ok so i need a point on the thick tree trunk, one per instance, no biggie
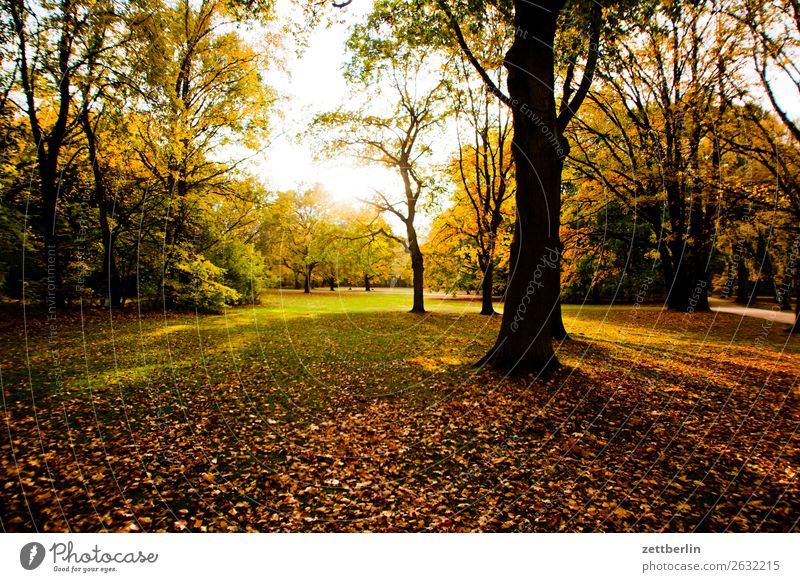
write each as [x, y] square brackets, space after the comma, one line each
[742, 283]
[307, 279]
[796, 327]
[688, 289]
[54, 297]
[557, 324]
[665, 263]
[782, 299]
[726, 288]
[332, 284]
[417, 270]
[524, 343]
[699, 299]
[487, 307]
[687, 293]
[110, 271]
[677, 287]
[366, 283]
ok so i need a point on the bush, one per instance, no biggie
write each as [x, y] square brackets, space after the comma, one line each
[195, 284]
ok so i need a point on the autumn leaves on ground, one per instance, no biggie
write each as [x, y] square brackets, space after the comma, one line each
[342, 412]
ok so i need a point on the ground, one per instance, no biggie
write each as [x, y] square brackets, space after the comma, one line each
[342, 412]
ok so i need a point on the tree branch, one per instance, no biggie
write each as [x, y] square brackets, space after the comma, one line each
[567, 113]
[490, 84]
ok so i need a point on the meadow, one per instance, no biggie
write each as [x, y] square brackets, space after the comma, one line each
[340, 411]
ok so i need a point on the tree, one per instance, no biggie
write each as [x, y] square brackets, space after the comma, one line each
[524, 342]
[775, 46]
[653, 138]
[365, 254]
[299, 226]
[454, 250]
[102, 88]
[483, 169]
[397, 139]
[532, 296]
[199, 90]
[53, 44]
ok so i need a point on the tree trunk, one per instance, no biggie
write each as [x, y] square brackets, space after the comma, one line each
[677, 287]
[366, 283]
[726, 288]
[524, 343]
[487, 307]
[699, 299]
[688, 289]
[557, 324]
[307, 279]
[796, 327]
[110, 273]
[782, 299]
[52, 256]
[332, 283]
[417, 270]
[742, 283]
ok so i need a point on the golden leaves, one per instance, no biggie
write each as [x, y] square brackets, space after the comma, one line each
[643, 431]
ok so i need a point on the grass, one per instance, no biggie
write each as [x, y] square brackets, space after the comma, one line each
[341, 411]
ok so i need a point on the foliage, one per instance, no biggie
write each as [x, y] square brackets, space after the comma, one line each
[135, 120]
[194, 283]
[330, 412]
[245, 270]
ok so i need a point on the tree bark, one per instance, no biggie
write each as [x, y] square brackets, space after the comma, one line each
[52, 255]
[487, 307]
[782, 299]
[524, 343]
[307, 279]
[418, 273]
[557, 323]
[796, 327]
[688, 288]
[366, 283]
[742, 283]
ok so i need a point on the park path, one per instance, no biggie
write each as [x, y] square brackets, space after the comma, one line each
[722, 306]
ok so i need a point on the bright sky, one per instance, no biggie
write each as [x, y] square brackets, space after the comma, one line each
[313, 84]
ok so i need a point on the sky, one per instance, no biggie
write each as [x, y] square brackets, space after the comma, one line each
[311, 84]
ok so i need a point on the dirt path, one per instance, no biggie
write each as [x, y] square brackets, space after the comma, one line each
[722, 306]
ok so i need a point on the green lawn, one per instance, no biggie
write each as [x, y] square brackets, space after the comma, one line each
[340, 411]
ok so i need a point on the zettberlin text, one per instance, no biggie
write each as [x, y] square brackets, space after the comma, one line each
[668, 549]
